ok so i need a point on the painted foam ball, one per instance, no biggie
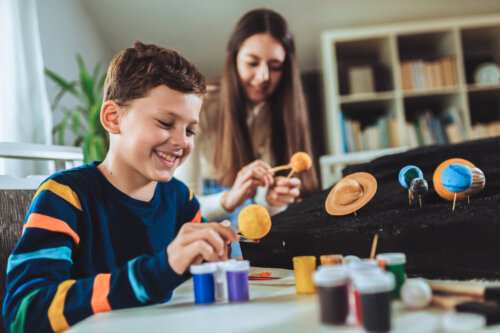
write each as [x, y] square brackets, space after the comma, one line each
[254, 221]
[436, 179]
[456, 178]
[300, 162]
[408, 173]
[419, 186]
[416, 293]
[478, 182]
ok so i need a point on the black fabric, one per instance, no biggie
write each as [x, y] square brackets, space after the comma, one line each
[438, 242]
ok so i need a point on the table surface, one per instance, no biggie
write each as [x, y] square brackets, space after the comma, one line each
[274, 306]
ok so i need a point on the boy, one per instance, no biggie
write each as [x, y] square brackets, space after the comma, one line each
[112, 235]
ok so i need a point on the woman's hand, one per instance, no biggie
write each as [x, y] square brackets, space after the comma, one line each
[247, 180]
[198, 241]
[284, 191]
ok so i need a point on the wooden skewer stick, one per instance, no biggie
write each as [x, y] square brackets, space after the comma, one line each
[420, 200]
[468, 199]
[374, 246]
[280, 167]
[290, 174]
[454, 199]
[409, 196]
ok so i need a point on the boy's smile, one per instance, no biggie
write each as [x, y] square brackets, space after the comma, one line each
[154, 135]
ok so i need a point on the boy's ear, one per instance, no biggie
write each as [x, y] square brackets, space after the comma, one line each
[110, 117]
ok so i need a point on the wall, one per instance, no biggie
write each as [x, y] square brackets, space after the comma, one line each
[66, 29]
[199, 29]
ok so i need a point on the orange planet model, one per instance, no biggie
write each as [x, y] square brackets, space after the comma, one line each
[300, 162]
[254, 222]
[436, 179]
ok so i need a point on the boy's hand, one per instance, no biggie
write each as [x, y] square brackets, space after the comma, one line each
[246, 182]
[283, 192]
[198, 241]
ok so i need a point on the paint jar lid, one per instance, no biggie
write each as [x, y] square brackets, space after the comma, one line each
[330, 276]
[206, 268]
[394, 258]
[363, 266]
[462, 322]
[350, 258]
[237, 266]
[374, 283]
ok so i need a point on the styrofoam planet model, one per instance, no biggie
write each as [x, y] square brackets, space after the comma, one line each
[419, 186]
[300, 162]
[436, 179]
[408, 173]
[478, 182]
[416, 293]
[254, 221]
[456, 178]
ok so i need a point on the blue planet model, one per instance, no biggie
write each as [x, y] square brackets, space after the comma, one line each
[408, 173]
[456, 178]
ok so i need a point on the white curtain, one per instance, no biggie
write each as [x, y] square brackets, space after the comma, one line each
[25, 114]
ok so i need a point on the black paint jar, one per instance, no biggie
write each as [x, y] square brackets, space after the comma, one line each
[331, 283]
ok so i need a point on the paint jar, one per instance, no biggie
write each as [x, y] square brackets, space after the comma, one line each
[203, 283]
[395, 263]
[237, 280]
[304, 267]
[220, 280]
[331, 282]
[375, 293]
[354, 269]
[331, 259]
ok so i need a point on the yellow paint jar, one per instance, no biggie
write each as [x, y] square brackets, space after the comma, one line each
[304, 267]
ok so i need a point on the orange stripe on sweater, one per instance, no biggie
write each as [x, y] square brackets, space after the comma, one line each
[100, 292]
[197, 217]
[41, 221]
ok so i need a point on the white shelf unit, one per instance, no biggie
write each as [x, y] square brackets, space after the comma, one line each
[420, 69]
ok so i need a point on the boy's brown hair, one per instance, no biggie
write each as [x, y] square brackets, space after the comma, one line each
[138, 69]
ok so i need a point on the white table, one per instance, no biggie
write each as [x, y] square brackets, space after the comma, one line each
[273, 307]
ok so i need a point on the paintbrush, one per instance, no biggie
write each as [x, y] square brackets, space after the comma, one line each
[481, 292]
[464, 304]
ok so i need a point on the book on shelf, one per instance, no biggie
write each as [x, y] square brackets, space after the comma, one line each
[429, 128]
[420, 75]
[369, 137]
[485, 130]
[361, 79]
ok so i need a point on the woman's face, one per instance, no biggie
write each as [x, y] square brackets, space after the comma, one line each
[260, 65]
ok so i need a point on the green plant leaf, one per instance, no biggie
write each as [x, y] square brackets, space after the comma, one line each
[75, 123]
[86, 81]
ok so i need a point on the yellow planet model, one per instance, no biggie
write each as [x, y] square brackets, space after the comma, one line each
[436, 179]
[254, 221]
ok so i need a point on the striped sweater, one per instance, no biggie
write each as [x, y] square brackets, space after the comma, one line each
[86, 248]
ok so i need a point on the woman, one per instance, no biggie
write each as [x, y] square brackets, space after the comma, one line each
[257, 119]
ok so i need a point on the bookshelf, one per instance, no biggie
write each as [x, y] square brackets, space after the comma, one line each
[409, 84]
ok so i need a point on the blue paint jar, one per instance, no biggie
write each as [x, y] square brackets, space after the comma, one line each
[237, 280]
[203, 283]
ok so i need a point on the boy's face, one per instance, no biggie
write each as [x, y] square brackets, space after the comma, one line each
[157, 132]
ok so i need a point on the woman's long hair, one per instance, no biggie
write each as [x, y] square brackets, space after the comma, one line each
[290, 131]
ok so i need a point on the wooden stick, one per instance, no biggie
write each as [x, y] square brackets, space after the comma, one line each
[468, 199]
[290, 174]
[374, 246]
[454, 199]
[409, 196]
[280, 167]
[420, 200]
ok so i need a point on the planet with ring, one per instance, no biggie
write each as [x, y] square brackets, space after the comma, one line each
[351, 193]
